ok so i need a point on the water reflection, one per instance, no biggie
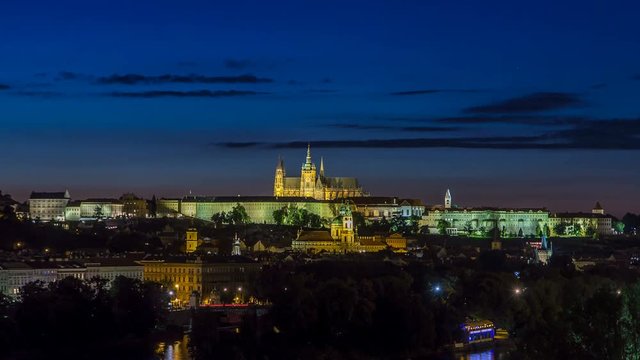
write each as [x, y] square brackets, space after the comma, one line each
[484, 355]
[176, 350]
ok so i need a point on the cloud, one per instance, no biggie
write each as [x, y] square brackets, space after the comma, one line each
[355, 126]
[69, 76]
[431, 91]
[135, 79]
[635, 77]
[39, 94]
[4, 87]
[513, 119]
[531, 103]
[184, 94]
[602, 134]
[238, 64]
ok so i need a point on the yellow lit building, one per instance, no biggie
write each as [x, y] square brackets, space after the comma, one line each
[314, 184]
[341, 238]
[185, 276]
[191, 240]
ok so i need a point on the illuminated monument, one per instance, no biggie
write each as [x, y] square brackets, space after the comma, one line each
[314, 184]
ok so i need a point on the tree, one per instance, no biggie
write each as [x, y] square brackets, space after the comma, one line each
[358, 220]
[619, 227]
[468, 228]
[238, 215]
[560, 229]
[153, 206]
[280, 215]
[98, 213]
[219, 219]
[443, 225]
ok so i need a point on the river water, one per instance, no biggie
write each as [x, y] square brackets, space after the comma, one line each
[178, 350]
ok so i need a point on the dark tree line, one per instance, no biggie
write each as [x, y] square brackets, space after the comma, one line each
[81, 319]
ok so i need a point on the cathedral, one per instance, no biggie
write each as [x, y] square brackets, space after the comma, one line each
[314, 184]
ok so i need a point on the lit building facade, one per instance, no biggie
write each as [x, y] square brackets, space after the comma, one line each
[48, 206]
[133, 206]
[206, 275]
[313, 183]
[342, 237]
[581, 224]
[92, 209]
[481, 221]
[15, 275]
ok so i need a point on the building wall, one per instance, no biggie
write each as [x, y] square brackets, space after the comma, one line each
[109, 209]
[510, 222]
[205, 278]
[47, 209]
[168, 207]
[261, 211]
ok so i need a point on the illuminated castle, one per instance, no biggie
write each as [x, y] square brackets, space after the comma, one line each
[313, 184]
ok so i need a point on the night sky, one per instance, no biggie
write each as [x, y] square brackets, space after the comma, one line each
[508, 103]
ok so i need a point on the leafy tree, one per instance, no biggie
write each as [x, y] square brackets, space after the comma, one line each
[153, 206]
[238, 215]
[443, 225]
[279, 215]
[468, 228]
[98, 212]
[619, 227]
[560, 229]
[219, 218]
[358, 220]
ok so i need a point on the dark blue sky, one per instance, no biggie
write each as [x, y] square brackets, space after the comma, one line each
[507, 103]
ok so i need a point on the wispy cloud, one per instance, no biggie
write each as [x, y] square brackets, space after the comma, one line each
[238, 64]
[135, 79]
[4, 87]
[39, 94]
[184, 94]
[431, 91]
[542, 120]
[531, 103]
[70, 76]
[356, 126]
[602, 134]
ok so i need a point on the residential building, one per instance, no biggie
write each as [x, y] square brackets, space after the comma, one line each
[207, 276]
[133, 206]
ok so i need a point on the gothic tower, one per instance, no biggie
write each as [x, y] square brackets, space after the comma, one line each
[447, 200]
[308, 176]
[278, 184]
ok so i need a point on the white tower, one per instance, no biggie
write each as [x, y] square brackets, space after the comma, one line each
[447, 200]
[236, 246]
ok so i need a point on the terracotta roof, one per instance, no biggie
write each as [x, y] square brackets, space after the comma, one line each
[315, 235]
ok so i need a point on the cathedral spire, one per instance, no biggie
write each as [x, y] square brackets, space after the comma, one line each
[308, 153]
[321, 166]
[280, 163]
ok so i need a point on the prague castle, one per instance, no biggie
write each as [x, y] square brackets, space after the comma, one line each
[314, 184]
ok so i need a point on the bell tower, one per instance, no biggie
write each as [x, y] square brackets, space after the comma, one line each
[447, 200]
[278, 184]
